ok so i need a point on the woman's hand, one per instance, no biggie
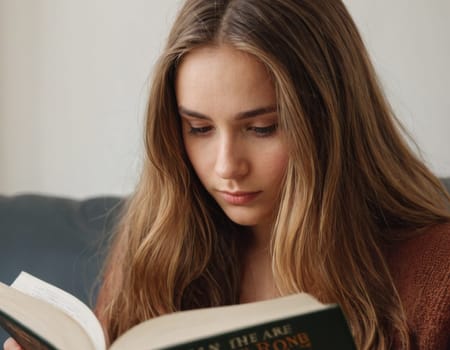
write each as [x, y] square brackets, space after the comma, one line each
[10, 344]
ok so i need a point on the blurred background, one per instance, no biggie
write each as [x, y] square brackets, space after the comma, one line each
[74, 80]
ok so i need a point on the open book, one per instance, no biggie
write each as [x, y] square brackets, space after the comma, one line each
[41, 316]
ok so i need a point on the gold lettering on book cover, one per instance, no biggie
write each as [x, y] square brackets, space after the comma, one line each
[296, 341]
[277, 332]
[275, 338]
[242, 341]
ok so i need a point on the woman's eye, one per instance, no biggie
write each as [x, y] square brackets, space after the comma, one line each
[264, 131]
[200, 130]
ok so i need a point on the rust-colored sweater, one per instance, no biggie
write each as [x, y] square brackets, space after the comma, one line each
[420, 267]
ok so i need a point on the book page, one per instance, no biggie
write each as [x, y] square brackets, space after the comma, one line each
[71, 305]
[41, 320]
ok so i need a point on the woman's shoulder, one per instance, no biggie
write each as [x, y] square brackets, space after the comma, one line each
[427, 250]
[420, 268]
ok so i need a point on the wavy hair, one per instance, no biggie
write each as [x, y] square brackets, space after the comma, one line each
[352, 182]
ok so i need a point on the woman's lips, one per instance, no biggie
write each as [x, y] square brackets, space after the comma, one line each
[238, 198]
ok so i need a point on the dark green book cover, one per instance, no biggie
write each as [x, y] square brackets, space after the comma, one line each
[321, 330]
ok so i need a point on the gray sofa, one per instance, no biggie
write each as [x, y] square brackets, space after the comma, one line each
[60, 240]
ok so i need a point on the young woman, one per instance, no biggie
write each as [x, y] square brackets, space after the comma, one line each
[275, 165]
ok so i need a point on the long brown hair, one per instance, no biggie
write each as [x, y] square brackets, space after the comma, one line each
[351, 185]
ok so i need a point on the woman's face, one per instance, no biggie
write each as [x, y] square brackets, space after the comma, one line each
[228, 111]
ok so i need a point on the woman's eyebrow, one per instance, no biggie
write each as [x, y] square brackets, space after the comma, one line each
[191, 113]
[241, 115]
[256, 112]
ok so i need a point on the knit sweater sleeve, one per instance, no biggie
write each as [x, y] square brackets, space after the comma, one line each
[420, 268]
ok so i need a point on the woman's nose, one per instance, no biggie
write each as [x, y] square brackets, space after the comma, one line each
[231, 159]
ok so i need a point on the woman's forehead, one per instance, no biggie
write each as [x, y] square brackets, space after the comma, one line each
[222, 77]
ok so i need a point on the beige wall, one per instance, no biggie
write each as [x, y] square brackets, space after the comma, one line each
[73, 82]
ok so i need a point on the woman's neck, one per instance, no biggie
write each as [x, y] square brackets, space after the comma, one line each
[257, 276]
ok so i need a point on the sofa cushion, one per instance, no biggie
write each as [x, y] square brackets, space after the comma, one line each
[57, 239]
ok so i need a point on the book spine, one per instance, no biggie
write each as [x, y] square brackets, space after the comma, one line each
[24, 336]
